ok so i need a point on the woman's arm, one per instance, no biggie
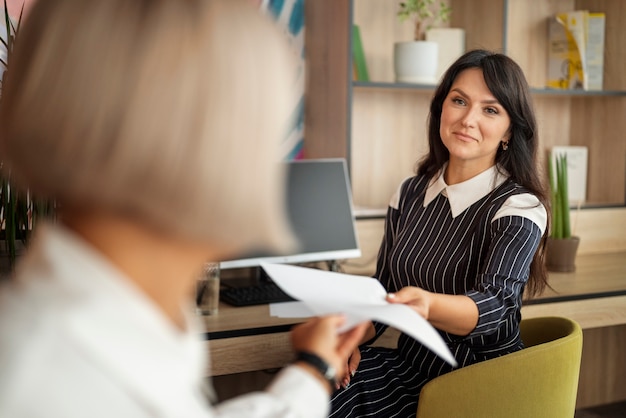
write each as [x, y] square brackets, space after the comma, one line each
[300, 390]
[498, 289]
[456, 314]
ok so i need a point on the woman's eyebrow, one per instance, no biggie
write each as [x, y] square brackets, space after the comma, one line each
[462, 93]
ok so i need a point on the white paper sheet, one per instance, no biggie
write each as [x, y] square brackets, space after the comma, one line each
[358, 298]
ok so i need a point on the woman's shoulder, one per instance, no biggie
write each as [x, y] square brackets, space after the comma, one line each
[526, 205]
[407, 187]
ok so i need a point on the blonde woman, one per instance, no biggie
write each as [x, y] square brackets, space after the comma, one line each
[154, 124]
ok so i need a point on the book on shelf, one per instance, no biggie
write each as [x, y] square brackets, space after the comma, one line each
[576, 50]
[595, 50]
[359, 64]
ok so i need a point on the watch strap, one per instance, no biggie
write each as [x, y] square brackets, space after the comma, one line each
[326, 370]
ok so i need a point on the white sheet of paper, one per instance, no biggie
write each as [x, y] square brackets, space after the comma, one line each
[358, 298]
[290, 310]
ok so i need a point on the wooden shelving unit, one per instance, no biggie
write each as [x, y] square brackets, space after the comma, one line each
[380, 126]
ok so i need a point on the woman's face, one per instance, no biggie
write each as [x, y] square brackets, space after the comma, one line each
[473, 122]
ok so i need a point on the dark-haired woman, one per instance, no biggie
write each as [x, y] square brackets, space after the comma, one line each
[463, 240]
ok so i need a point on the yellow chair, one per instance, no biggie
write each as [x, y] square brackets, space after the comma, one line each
[539, 381]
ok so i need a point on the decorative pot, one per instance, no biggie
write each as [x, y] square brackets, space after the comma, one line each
[451, 43]
[561, 254]
[416, 62]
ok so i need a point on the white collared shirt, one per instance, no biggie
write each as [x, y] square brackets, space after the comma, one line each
[78, 339]
[463, 195]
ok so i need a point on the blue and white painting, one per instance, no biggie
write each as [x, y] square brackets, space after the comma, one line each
[289, 15]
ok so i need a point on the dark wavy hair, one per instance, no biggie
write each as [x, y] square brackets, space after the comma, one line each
[506, 81]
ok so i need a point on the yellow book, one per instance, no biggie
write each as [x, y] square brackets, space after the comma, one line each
[566, 50]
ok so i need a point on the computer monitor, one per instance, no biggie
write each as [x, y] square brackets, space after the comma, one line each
[319, 206]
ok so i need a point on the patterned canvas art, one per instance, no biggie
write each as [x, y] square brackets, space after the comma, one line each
[289, 15]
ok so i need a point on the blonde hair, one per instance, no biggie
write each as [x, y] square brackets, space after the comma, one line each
[167, 111]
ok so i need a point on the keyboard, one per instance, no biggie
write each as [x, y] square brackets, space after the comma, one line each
[258, 294]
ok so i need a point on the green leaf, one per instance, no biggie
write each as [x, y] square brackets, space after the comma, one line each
[424, 13]
[560, 200]
[563, 187]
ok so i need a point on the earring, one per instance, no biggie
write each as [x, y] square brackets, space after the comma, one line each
[505, 145]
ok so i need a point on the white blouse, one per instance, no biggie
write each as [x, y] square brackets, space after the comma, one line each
[77, 339]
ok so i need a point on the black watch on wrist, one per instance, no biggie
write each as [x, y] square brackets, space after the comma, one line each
[326, 370]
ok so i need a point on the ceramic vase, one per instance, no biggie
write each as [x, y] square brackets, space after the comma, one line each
[451, 43]
[416, 62]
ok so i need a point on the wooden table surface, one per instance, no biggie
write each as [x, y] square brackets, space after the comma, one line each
[248, 338]
[596, 276]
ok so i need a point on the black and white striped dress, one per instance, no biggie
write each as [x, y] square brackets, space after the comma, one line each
[484, 252]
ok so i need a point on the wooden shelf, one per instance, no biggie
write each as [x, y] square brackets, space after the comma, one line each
[576, 93]
[380, 127]
[393, 86]
[390, 85]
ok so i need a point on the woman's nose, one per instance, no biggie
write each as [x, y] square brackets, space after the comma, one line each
[470, 117]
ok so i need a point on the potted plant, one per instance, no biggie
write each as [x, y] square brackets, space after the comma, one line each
[562, 246]
[19, 211]
[417, 61]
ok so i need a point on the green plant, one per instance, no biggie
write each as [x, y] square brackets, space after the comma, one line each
[19, 211]
[560, 199]
[424, 14]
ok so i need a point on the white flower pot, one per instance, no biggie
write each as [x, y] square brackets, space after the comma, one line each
[416, 62]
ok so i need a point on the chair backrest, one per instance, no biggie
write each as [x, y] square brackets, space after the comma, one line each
[539, 381]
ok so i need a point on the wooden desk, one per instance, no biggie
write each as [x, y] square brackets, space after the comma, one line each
[594, 295]
[248, 339]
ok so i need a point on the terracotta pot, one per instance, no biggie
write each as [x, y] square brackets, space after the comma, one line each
[561, 254]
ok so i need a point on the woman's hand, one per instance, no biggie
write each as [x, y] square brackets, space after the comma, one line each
[319, 336]
[353, 365]
[418, 299]
[456, 314]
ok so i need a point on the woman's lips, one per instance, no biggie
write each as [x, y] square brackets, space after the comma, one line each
[464, 137]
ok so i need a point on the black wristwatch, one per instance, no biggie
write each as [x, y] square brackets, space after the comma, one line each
[326, 370]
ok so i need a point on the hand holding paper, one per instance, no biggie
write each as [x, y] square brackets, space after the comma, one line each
[359, 298]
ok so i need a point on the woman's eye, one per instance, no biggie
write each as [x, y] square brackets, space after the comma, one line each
[458, 101]
[491, 110]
